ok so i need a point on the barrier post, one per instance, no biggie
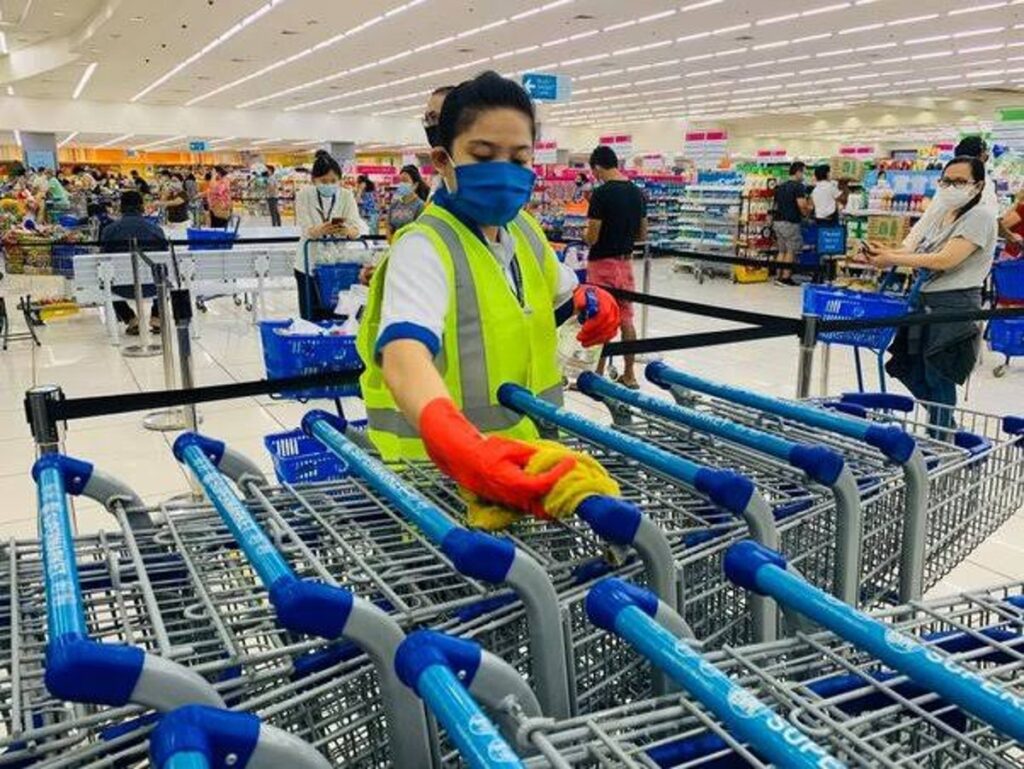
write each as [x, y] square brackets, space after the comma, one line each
[646, 288]
[145, 349]
[808, 341]
[45, 431]
[826, 363]
[165, 420]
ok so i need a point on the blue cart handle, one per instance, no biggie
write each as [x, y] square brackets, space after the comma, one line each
[482, 556]
[197, 737]
[314, 608]
[79, 669]
[632, 613]
[438, 668]
[761, 570]
[821, 464]
[896, 444]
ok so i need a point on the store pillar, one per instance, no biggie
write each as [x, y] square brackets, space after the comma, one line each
[39, 149]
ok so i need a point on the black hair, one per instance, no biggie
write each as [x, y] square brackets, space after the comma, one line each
[271, 169]
[208, 176]
[821, 172]
[604, 157]
[131, 202]
[323, 164]
[221, 170]
[487, 91]
[418, 185]
[970, 147]
[796, 167]
[78, 169]
[977, 174]
[368, 182]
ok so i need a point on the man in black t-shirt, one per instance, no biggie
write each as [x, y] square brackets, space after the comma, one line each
[616, 222]
[791, 206]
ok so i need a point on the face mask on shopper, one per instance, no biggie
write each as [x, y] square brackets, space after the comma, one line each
[327, 190]
[403, 189]
[955, 197]
[492, 192]
[433, 135]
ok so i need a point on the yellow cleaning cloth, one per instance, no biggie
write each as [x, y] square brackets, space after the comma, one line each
[587, 478]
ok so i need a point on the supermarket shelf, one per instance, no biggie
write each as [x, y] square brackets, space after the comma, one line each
[883, 212]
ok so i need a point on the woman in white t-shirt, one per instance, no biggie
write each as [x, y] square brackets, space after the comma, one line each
[828, 197]
[324, 209]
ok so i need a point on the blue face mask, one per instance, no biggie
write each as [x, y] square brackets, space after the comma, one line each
[327, 190]
[491, 192]
[402, 189]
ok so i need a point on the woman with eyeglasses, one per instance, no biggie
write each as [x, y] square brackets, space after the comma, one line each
[952, 261]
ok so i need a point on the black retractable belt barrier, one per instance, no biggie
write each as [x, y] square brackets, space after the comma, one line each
[100, 405]
[824, 269]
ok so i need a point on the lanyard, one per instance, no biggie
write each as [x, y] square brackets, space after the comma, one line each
[517, 281]
[320, 206]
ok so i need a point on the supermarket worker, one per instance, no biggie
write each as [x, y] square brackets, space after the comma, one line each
[469, 298]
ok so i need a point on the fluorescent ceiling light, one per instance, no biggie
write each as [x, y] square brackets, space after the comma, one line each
[213, 44]
[67, 139]
[863, 28]
[221, 141]
[117, 140]
[825, 9]
[976, 9]
[776, 19]
[161, 142]
[911, 20]
[84, 80]
[10, 90]
[976, 32]
[267, 141]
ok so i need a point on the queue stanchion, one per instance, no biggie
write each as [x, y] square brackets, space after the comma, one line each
[45, 430]
[181, 308]
[646, 288]
[145, 348]
[805, 367]
[165, 420]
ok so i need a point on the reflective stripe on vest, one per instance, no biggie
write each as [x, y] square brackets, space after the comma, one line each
[390, 421]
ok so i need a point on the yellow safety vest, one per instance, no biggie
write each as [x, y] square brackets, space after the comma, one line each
[489, 337]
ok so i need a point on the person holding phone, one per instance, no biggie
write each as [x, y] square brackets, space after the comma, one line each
[324, 209]
[952, 261]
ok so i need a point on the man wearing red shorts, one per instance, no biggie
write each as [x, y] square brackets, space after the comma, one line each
[616, 222]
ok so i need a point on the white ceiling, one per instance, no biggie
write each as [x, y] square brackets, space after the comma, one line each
[641, 60]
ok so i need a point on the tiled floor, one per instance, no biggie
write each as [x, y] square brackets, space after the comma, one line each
[77, 355]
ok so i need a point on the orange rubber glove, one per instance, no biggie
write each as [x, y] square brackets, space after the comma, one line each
[598, 313]
[490, 466]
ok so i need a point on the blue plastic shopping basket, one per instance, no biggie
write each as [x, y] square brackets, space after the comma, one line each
[290, 355]
[301, 459]
[830, 303]
[1006, 335]
[332, 279]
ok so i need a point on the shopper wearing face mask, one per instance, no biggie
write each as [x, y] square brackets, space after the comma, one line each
[952, 262]
[324, 209]
[469, 298]
[406, 204]
[969, 147]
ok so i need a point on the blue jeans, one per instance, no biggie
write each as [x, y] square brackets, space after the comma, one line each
[930, 385]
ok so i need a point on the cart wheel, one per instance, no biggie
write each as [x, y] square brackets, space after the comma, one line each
[200, 305]
[237, 300]
[1000, 370]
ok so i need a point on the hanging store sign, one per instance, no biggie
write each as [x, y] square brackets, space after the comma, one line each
[545, 152]
[544, 86]
[621, 143]
[705, 148]
[859, 151]
[197, 146]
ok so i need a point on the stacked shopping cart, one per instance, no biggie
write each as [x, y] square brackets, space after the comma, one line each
[705, 616]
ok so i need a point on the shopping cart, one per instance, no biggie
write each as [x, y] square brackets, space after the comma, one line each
[1006, 335]
[937, 499]
[829, 303]
[861, 710]
[976, 471]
